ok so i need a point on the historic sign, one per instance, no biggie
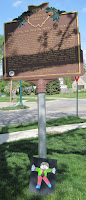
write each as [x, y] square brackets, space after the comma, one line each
[42, 43]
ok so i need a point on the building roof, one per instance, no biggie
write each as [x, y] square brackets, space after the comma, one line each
[84, 78]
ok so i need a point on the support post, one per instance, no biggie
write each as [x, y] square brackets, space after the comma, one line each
[20, 94]
[41, 90]
[42, 125]
[77, 98]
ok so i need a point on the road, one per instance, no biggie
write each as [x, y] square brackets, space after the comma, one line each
[54, 109]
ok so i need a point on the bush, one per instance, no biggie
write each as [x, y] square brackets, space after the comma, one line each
[83, 91]
[53, 87]
[2, 85]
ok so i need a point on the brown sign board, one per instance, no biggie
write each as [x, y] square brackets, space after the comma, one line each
[42, 48]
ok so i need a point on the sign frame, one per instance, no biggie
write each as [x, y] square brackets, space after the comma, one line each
[47, 76]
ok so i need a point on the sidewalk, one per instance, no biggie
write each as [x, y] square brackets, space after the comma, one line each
[8, 137]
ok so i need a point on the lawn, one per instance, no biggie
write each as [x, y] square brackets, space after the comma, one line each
[27, 98]
[7, 99]
[34, 125]
[14, 107]
[68, 148]
[33, 98]
[71, 95]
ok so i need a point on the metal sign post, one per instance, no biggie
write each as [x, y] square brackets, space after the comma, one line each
[76, 78]
[41, 90]
[77, 99]
[41, 125]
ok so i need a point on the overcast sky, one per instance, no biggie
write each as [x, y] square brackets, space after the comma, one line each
[11, 9]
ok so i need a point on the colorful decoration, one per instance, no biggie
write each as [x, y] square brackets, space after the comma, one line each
[53, 12]
[23, 18]
[42, 173]
[43, 176]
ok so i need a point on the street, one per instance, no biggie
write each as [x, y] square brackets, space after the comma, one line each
[61, 107]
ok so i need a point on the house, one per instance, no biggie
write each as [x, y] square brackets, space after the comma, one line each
[81, 83]
[63, 87]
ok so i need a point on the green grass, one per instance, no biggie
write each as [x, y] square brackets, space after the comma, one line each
[35, 100]
[71, 95]
[34, 125]
[68, 148]
[4, 99]
[14, 107]
[7, 99]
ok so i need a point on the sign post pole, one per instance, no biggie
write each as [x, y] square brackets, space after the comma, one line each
[76, 78]
[41, 125]
[41, 90]
[77, 99]
[20, 94]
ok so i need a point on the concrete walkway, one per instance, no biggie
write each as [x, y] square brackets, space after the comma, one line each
[34, 132]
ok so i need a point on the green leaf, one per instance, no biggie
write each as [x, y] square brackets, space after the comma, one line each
[55, 16]
[61, 11]
[20, 24]
[48, 9]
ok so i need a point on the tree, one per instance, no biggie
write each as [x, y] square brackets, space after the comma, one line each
[15, 84]
[68, 82]
[53, 87]
[2, 86]
[27, 87]
[27, 84]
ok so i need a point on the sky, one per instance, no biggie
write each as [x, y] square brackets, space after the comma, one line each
[10, 9]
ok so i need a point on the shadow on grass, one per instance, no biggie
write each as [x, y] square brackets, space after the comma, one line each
[18, 127]
[36, 197]
[4, 130]
[15, 167]
[34, 125]
[64, 121]
[15, 162]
